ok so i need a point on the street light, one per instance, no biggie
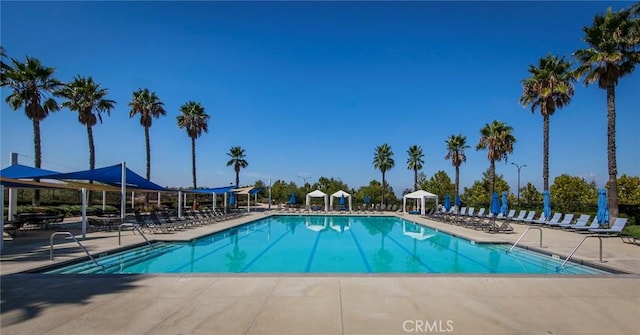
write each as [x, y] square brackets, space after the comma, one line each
[518, 167]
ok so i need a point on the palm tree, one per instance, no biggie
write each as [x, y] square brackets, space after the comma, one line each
[415, 162]
[497, 139]
[612, 54]
[195, 120]
[456, 144]
[33, 86]
[149, 106]
[237, 160]
[549, 87]
[88, 99]
[383, 161]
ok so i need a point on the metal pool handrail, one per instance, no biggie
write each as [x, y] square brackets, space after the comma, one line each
[525, 233]
[76, 240]
[135, 227]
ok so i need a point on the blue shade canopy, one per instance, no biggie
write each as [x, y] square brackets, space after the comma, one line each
[367, 199]
[505, 204]
[232, 199]
[292, 198]
[458, 203]
[18, 171]
[110, 175]
[255, 190]
[447, 202]
[546, 204]
[216, 190]
[495, 203]
[603, 207]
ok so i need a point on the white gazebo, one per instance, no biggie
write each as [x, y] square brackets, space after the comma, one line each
[419, 194]
[317, 194]
[340, 194]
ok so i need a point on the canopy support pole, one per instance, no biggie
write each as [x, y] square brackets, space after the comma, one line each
[123, 191]
[225, 202]
[159, 203]
[2, 216]
[104, 200]
[84, 213]
[179, 204]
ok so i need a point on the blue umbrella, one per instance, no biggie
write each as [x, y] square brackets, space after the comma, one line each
[546, 204]
[603, 208]
[292, 199]
[495, 203]
[342, 200]
[505, 204]
[458, 203]
[447, 202]
[232, 199]
[367, 199]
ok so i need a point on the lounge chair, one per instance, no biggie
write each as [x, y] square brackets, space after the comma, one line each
[554, 219]
[616, 228]
[529, 217]
[520, 216]
[540, 220]
[580, 222]
[565, 220]
[594, 224]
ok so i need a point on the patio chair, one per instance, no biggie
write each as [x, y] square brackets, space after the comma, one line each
[580, 222]
[616, 228]
[565, 220]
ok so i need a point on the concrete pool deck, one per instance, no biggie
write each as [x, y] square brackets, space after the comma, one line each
[318, 304]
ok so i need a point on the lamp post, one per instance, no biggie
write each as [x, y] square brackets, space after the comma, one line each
[518, 167]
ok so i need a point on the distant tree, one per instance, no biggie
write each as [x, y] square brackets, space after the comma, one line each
[479, 194]
[569, 194]
[497, 138]
[238, 161]
[629, 190]
[549, 87]
[194, 119]
[415, 163]
[330, 185]
[440, 184]
[32, 86]
[530, 197]
[374, 190]
[383, 161]
[422, 178]
[613, 52]
[456, 145]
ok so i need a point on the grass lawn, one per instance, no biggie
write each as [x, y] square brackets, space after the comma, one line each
[632, 231]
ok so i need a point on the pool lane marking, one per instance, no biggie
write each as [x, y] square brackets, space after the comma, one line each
[195, 260]
[407, 251]
[313, 253]
[364, 258]
[244, 269]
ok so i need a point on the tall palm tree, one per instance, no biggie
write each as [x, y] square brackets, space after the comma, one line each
[149, 106]
[32, 86]
[497, 138]
[613, 52]
[383, 161]
[195, 121]
[456, 144]
[86, 97]
[549, 87]
[237, 160]
[415, 163]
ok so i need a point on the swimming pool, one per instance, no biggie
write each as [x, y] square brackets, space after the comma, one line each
[328, 244]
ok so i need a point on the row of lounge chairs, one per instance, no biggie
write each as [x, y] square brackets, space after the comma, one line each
[166, 222]
[583, 224]
[364, 209]
[469, 218]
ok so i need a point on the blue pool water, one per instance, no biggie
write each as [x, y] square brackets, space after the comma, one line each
[328, 244]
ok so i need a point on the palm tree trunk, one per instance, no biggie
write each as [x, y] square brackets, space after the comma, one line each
[92, 160]
[237, 168]
[457, 179]
[492, 178]
[193, 167]
[611, 152]
[415, 179]
[38, 158]
[545, 158]
[148, 146]
[382, 198]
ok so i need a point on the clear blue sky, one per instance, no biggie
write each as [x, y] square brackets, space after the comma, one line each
[311, 88]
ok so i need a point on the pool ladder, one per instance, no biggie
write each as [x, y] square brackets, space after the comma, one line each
[76, 240]
[135, 227]
[576, 249]
[525, 233]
